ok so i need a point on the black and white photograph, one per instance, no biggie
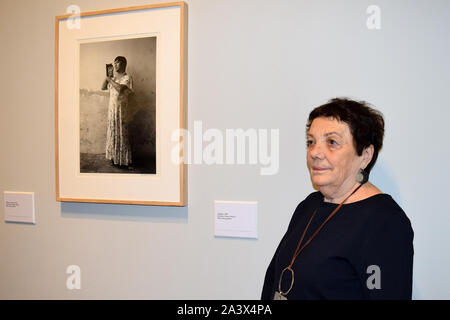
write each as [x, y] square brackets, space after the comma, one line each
[117, 101]
[120, 97]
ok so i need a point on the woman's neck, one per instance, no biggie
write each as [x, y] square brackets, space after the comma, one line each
[366, 190]
[337, 196]
[119, 74]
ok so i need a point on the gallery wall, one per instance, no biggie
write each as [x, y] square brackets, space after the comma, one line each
[251, 64]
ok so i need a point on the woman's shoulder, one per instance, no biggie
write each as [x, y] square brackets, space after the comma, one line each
[307, 205]
[311, 201]
[381, 210]
[371, 199]
[313, 198]
[380, 202]
[125, 78]
[386, 220]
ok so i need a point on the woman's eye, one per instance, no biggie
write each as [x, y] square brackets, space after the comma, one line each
[332, 142]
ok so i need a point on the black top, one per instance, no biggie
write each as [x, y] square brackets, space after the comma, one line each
[365, 251]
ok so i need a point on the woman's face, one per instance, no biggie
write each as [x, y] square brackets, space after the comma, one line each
[118, 65]
[331, 156]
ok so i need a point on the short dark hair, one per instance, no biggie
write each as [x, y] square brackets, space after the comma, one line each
[366, 124]
[122, 60]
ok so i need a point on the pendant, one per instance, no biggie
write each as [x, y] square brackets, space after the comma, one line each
[279, 296]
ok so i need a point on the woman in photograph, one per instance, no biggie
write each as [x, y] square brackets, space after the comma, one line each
[120, 85]
[348, 240]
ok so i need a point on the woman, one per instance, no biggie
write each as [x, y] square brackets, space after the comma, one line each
[118, 148]
[348, 240]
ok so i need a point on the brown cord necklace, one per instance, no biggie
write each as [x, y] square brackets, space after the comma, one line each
[281, 295]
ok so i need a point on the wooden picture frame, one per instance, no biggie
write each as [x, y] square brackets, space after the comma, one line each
[140, 112]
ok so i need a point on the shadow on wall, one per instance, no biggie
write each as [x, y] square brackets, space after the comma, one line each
[142, 125]
[124, 212]
[383, 177]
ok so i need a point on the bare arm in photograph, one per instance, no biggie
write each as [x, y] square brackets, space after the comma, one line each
[119, 87]
[105, 84]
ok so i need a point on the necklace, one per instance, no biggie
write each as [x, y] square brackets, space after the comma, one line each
[281, 295]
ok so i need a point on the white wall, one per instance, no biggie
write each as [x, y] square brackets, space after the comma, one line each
[252, 64]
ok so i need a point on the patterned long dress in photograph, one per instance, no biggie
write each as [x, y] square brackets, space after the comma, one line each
[117, 143]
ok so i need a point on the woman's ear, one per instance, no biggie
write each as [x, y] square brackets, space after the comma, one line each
[367, 155]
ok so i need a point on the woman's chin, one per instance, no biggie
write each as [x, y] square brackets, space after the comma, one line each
[319, 182]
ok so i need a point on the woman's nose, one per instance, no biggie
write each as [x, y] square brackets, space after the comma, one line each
[316, 151]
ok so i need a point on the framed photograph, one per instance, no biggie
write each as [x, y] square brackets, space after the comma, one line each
[120, 99]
